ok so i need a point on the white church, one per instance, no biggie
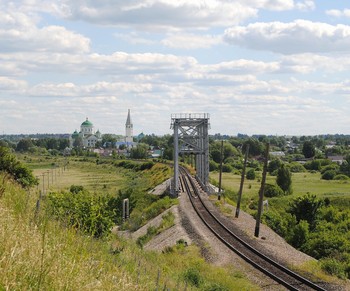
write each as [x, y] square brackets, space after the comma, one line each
[87, 137]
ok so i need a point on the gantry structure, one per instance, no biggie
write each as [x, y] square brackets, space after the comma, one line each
[191, 137]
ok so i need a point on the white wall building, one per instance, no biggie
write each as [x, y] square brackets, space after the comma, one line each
[87, 137]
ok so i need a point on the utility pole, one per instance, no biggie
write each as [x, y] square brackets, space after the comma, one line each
[242, 181]
[261, 193]
[220, 173]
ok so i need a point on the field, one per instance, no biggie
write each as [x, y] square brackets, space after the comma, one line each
[302, 183]
[60, 173]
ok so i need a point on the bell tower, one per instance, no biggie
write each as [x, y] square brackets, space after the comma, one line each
[128, 129]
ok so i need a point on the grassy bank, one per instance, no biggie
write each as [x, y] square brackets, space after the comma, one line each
[38, 253]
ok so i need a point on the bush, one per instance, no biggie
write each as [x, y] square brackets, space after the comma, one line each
[274, 165]
[328, 175]
[341, 177]
[273, 191]
[146, 166]
[193, 277]
[333, 267]
[299, 234]
[280, 224]
[19, 172]
[213, 166]
[227, 168]
[305, 207]
[313, 165]
[88, 213]
[76, 189]
[333, 166]
[296, 167]
[250, 174]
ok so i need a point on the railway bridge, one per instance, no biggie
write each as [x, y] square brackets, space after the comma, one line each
[191, 138]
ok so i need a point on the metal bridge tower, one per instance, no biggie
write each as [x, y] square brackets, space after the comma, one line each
[191, 137]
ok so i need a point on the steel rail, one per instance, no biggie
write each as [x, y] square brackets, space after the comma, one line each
[243, 243]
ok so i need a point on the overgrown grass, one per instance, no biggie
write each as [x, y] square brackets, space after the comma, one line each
[39, 254]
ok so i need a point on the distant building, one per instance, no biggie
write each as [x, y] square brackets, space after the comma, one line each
[129, 129]
[336, 159]
[128, 140]
[278, 154]
[87, 137]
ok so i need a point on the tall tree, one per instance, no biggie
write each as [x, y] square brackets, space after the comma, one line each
[284, 179]
[308, 149]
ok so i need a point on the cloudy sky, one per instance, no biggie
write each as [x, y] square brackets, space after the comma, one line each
[256, 66]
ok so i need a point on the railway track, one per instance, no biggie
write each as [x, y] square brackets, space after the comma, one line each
[227, 235]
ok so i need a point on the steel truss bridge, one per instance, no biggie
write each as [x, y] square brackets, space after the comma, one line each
[191, 137]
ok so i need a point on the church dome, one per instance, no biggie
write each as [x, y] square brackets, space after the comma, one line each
[87, 123]
[75, 134]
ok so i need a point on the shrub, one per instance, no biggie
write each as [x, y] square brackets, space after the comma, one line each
[19, 172]
[299, 234]
[146, 166]
[280, 224]
[274, 165]
[250, 174]
[296, 167]
[227, 168]
[213, 166]
[333, 166]
[328, 175]
[88, 213]
[341, 177]
[313, 165]
[193, 277]
[273, 191]
[333, 267]
[76, 189]
[306, 208]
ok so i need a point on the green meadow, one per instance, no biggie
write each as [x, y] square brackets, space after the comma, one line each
[337, 191]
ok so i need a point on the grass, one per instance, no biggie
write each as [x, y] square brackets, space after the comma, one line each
[302, 183]
[59, 176]
[39, 254]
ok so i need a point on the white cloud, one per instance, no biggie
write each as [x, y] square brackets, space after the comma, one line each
[8, 84]
[299, 36]
[306, 5]
[190, 41]
[19, 32]
[339, 13]
[159, 14]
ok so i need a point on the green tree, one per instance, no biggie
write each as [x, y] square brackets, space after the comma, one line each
[284, 179]
[24, 145]
[345, 166]
[274, 165]
[256, 147]
[308, 149]
[250, 174]
[78, 142]
[139, 152]
[306, 208]
[19, 172]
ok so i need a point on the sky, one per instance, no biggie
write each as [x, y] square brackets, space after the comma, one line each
[276, 67]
